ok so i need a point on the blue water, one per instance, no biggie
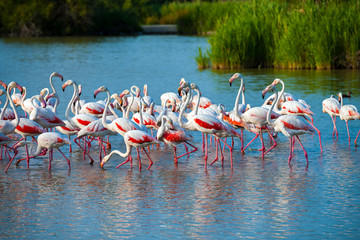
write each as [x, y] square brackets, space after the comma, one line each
[256, 199]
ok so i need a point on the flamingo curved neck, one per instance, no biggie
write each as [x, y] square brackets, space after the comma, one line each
[129, 107]
[161, 130]
[183, 107]
[341, 99]
[268, 116]
[103, 120]
[70, 104]
[5, 106]
[198, 100]
[125, 154]
[281, 94]
[240, 92]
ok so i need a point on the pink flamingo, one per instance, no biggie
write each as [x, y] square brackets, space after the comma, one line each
[348, 112]
[49, 141]
[289, 125]
[6, 126]
[173, 136]
[332, 107]
[28, 128]
[137, 139]
[295, 107]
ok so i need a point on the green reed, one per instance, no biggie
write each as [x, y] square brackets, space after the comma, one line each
[274, 34]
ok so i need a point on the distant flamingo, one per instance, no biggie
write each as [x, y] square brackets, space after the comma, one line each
[348, 112]
[289, 125]
[173, 136]
[137, 139]
[49, 141]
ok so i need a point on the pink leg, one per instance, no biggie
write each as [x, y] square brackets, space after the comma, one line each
[305, 153]
[188, 153]
[257, 134]
[175, 158]
[68, 161]
[203, 139]
[347, 127]
[70, 149]
[138, 157]
[262, 145]
[230, 149]
[318, 131]
[217, 151]
[84, 150]
[50, 157]
[356, 139]
[291, 150]
[206, 151]
[274, 145]
[15, 153]
[151, 162]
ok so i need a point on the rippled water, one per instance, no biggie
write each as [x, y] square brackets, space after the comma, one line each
[261, 199]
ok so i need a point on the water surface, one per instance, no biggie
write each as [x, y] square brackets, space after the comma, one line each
[261, 199]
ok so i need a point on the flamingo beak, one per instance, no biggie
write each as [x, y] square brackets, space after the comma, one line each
[102, 164]
[3, 84]
[96, 92]
[63, 87]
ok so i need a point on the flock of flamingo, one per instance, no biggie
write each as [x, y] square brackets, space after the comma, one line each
[178, 115]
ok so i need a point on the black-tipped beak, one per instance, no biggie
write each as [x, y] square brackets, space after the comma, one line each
[230, 84]
[94, 95]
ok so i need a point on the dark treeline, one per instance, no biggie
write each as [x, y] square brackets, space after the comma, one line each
[33, 18]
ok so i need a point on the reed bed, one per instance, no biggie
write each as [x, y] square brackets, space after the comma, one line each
[307, 35]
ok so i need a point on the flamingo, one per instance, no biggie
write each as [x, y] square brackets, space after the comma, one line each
[137, 139]
[49, 141]
[295, 107]
[173, 136]
[8, 127]
[147, 99]
[28, 128]
[289, 125]
[348, 112]
[206, 124]
[45, 116]
[332, 107]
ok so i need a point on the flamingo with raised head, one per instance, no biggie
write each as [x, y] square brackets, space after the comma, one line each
[295, 107]
[289, 125]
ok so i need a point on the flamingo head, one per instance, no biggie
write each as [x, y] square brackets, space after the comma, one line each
[234, 77]
[145, 90]
[183, 85]
[276, 81]
[125, 92]
[100, 89]
[267, 89]
[16, 85]
[104, 160]
[44, 92]
[67, 83]
[3, 84]
[55, 74]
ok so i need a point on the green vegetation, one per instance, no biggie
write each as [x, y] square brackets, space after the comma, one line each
[309, 35]
[295, 34]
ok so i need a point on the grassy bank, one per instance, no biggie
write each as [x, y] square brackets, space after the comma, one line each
[308, 35]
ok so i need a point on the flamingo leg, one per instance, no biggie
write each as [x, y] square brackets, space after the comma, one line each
[242, 139]
[50, 157]
[274, 145]
[15, 153]
[262, 145]
[70, 149]
[305, 153]
[194, 150]
[151, 162]
[356, 139]
[318, 131]
[138, 157]
[257, 134]
[186, 149]
[291, 150]
[217, 151]
[127, 160]
[230, 149]
[203, 139]
[347, 127]
[206, 151]
[175, 158]
[221, 152]
[84, 151]
[68, 161]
